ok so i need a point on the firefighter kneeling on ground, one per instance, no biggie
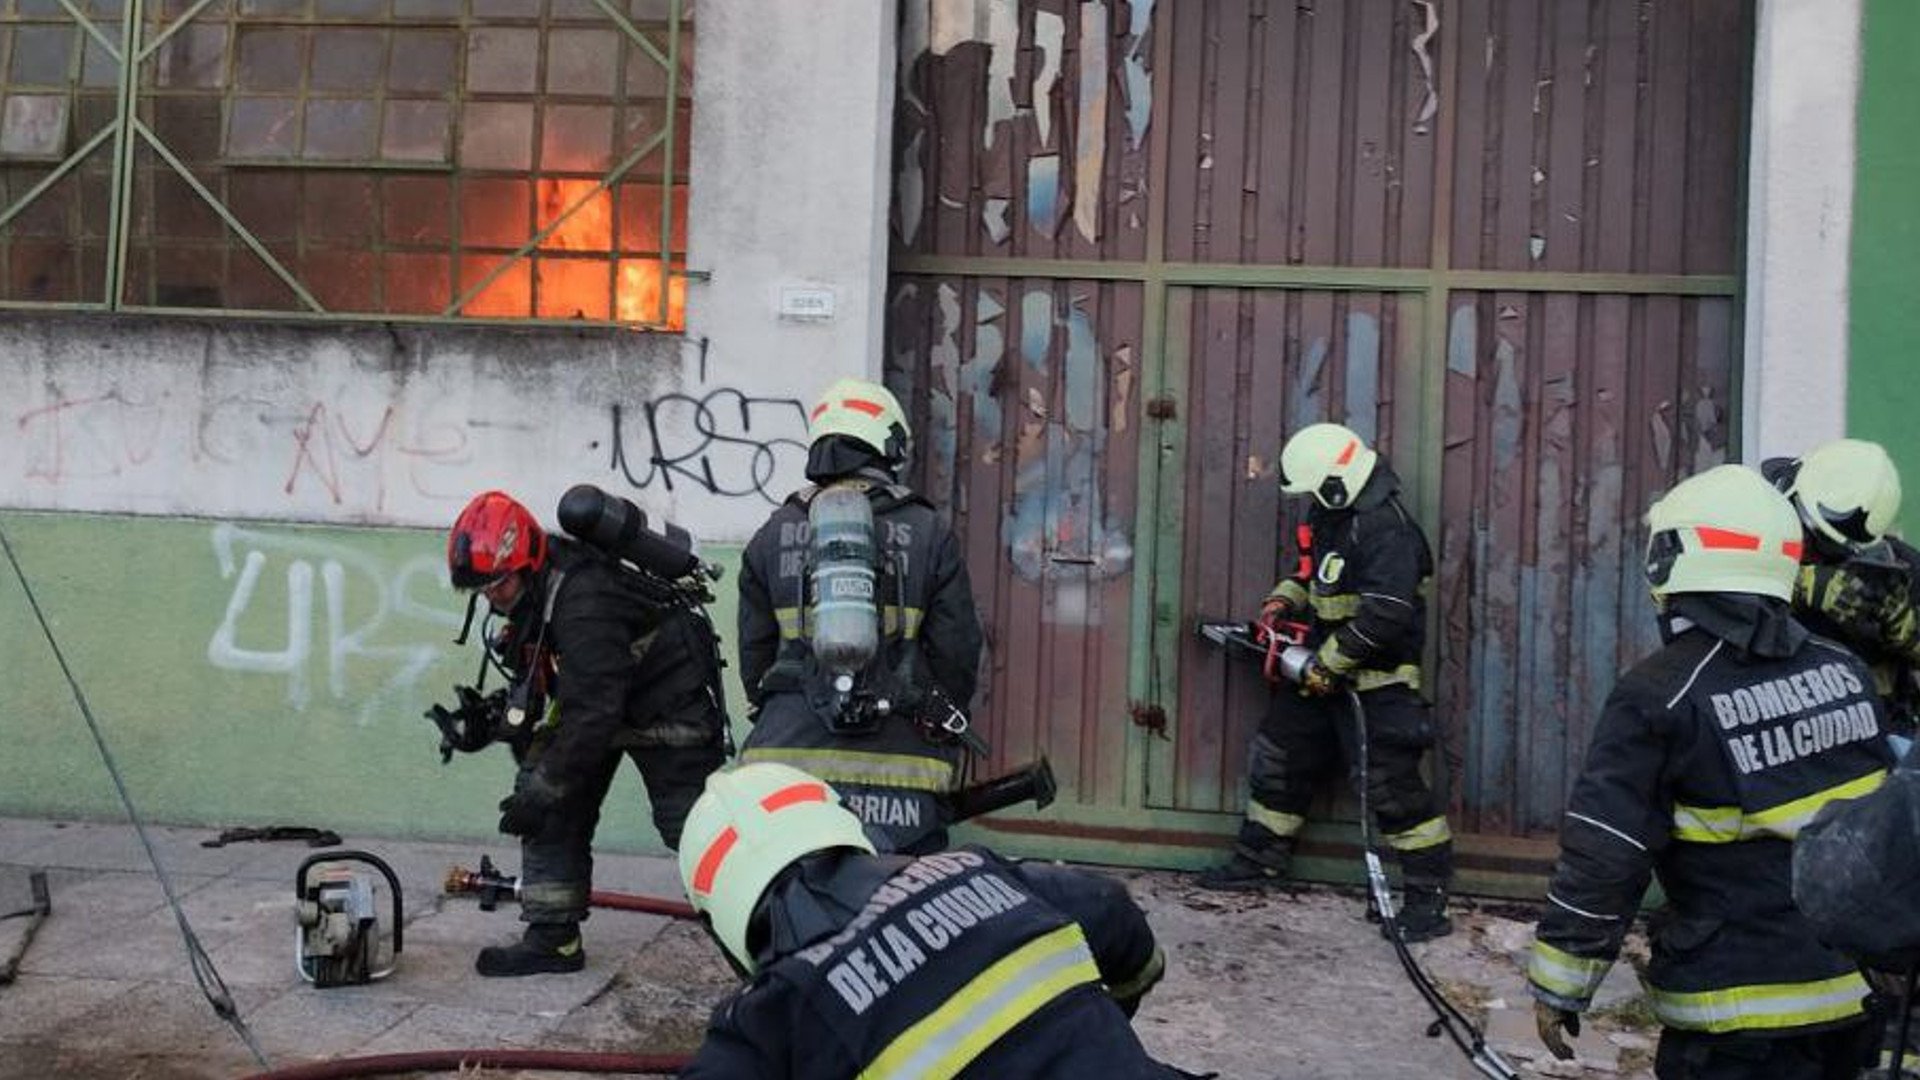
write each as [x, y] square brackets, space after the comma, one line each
[958, 963]
[1359, 582]
[598, 669]
[1708, 758]
[859, 641]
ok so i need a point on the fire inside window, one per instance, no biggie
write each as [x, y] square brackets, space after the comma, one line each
[464, 159]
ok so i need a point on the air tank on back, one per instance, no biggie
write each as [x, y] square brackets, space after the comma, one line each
[619, 528]
[845, 618]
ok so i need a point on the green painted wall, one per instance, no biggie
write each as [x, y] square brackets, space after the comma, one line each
[1883, 394]
[299, 716]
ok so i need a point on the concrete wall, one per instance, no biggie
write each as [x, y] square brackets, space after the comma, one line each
[1884, 316]
[1799, 212]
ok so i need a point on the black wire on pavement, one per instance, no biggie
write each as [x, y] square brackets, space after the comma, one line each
[1447, 1017]
[204, 972]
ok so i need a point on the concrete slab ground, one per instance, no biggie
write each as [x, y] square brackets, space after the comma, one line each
[1287, 984]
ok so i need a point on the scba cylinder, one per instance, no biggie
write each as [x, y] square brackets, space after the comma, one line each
[846, 620]
[619, 528]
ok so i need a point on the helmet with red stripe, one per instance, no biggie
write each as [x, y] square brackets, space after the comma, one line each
[492, 538]
[1329, 462]
[865, 411]
[1725, 530]
[751, 823]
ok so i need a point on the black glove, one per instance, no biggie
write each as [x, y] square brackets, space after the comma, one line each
[1550, 1021]
[533, 803]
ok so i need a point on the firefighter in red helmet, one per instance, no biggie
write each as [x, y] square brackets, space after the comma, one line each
[598, 668]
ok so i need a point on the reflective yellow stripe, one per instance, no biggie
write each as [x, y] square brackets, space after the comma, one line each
[1338, 608]
[1274, 821]
[947, 1040]
[1727, 824]
[1404, 675]
[894, 622]
[1560, 972]
[1424, 835]
[907, 771]
[1748, 1008]
[1142, 980]
[1292, 591]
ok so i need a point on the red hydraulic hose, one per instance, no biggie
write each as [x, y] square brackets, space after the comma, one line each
[651, 905]
[450, 1060]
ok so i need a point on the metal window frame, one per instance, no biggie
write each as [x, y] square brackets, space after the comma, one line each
[127, 132]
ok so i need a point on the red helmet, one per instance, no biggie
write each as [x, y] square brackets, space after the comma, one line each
[493, 537]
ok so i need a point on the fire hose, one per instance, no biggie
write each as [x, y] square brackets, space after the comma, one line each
[1288, 658]
[492, 886]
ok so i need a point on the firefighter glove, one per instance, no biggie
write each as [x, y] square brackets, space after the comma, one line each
[532, 804]
[1319, 680]
[1554, 1025]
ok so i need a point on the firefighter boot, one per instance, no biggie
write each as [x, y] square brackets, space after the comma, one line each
[544, 948]
[1245, 873]
[1423, 915]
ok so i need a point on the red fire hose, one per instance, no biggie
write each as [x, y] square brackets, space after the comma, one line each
[651, 905]
[450, 1060]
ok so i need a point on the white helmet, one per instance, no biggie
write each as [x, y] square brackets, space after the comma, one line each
[1327, 460]
[866, 411]
[1847, 491]
[1725, 530]
[751, 823]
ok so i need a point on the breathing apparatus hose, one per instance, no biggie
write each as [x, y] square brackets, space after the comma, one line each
[449, 1060]
[1447, 1017]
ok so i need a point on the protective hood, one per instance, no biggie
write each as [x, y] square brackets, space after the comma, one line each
[836, 457]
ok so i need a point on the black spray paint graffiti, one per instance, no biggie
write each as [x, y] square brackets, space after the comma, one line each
[724, 443]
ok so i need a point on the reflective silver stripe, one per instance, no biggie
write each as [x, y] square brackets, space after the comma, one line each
[904, 771]
[1697, 668]
[1582, 912]
[1604, 827]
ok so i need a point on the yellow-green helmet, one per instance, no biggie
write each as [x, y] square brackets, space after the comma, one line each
[1725, 530]
[1328, 461]
[863, 410]
[1846, 491]
[751, 823]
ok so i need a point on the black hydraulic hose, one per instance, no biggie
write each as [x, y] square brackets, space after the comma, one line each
[576, 1061]
[1447, 1017]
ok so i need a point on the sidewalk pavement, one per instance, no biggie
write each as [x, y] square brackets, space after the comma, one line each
[1283, 984]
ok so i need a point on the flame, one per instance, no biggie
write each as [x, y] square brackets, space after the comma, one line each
[581, 287]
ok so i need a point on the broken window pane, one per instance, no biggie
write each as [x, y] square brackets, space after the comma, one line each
[423, 62]
[194, 56]
[347, 60]
[573, 288]
[270, 59]
[587, 228]
[502, 61]
[497, 135]
[508, 296]
[415, 131]
[261, 127]
[34, 125]
[43, 55]
[581, 62]
[576, 138]
[340, 130]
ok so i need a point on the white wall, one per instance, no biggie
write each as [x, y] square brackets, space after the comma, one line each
[360, 424]
[792, 128]
[1799, 218]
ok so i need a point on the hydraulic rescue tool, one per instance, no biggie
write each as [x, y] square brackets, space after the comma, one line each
[1284, 655]
[342, 939]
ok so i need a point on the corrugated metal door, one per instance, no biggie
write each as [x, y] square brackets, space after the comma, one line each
[1138, 244]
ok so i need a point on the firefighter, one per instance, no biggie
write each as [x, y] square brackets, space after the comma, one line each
[1359, 592]
[953, 963]
[1709, 756]
[598, 669]
[859, 641]
[1857, 581]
